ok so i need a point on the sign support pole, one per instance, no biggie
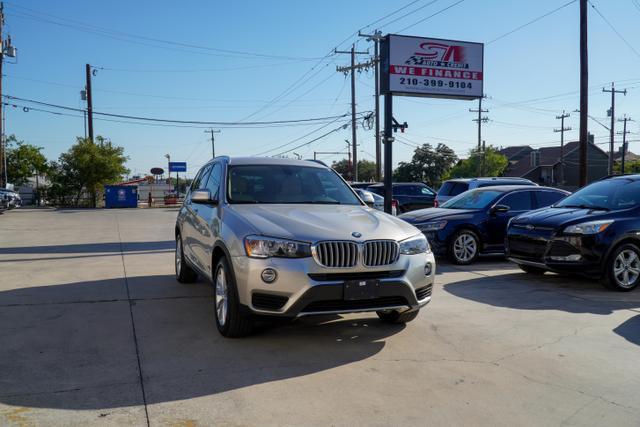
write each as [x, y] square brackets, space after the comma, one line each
[388, 151]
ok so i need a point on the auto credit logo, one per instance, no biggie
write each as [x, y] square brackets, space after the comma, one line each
[439, 55]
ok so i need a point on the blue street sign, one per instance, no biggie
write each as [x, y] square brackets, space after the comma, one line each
[177, 166]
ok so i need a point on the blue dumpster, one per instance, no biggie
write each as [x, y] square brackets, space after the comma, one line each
[120, 196]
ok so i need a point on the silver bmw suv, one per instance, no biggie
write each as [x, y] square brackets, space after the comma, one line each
[290, 238]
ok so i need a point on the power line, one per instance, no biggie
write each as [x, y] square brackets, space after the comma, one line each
[409, 13]
[299, 138]
[153, 119]
[533, 21]
[80, 26]
[344, 126]
[431, 16]
[614, 29]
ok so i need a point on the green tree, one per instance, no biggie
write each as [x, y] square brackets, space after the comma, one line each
[87, 167]
[428, 164]
[366, 170]
[491, 164]
[23, 161]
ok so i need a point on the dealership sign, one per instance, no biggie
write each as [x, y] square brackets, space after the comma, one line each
[435, 68]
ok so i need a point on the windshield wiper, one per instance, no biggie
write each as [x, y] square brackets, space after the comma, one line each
[592, 207]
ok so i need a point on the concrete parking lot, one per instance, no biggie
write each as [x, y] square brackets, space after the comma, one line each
[95, 330]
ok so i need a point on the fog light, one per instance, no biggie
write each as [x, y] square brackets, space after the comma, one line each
[269, 275]
[427, 269]
[570, 258]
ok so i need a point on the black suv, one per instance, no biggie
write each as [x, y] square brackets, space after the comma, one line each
[594, 232]
[409, 195]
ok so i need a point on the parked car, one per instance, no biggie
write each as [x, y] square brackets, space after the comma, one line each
[374, 201]
[594, 232]
[410, 196]
[13, 199]
[475, 221]
[4, 202]
[453, 187]
[290, 238]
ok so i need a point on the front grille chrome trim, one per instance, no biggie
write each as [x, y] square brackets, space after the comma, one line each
[348, 254]
[380, 252]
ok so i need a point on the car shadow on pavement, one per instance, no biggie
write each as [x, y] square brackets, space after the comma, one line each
[630, 330]
[549, 292]
[81, 248]
[68, 352]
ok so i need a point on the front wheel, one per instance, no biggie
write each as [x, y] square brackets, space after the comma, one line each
[464, 247]
[230, 319]
[396, 317]
[622, 271]
[184, 273]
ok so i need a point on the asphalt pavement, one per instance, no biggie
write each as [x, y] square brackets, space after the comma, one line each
[94, 329]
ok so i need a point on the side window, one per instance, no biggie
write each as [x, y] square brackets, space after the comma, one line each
[520, 201]
[201, 178]
[213, 184]
[547, 198]
[425, 191]
[459, 188]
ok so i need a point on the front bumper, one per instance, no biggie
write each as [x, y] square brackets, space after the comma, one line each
[563, 254]
[305, 288]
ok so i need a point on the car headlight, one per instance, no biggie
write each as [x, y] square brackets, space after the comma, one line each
[432, 226]
[415, 245]
[265, 247]
[592, 227]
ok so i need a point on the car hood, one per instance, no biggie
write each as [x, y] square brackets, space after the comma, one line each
[433, 214]
[312, 223]
[557, 217]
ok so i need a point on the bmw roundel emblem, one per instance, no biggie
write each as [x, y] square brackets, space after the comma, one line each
[356, 234]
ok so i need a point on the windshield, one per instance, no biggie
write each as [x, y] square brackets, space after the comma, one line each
[611, 194]
[474, 199]
[287, 184]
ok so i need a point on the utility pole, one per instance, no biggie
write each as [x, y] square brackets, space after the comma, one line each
[480, 119]
[3, 143]
[376, 37]
[213, 145]
[612, 132]
[89, 102]
[562, 130]
[624, 141]
[349, 155]
[353, 69]
[584, 92]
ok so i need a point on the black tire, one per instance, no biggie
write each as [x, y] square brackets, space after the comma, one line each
[453, 252]
[609, 279]
[184, 273]
[236, 322]
[395, 317]
[532, 269]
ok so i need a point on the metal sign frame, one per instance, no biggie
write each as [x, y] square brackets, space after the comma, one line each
[422, 79]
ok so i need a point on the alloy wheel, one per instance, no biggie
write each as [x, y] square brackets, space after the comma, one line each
[221, 296]
[626, 268]
[178, 255]
[465, 247]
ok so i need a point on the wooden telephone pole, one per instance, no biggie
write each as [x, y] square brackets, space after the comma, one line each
[352, 69]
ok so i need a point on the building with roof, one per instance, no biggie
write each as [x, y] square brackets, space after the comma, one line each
[542, 165]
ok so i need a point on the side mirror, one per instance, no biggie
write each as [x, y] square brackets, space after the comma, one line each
[202, 196]
[368, 198]
[500, 209]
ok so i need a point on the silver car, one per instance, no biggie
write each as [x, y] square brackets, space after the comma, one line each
[290, 238]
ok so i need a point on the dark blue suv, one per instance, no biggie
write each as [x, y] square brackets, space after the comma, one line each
[475, 221]
[594, 232]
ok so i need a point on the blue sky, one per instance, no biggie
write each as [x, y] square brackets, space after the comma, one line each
[530, 75]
